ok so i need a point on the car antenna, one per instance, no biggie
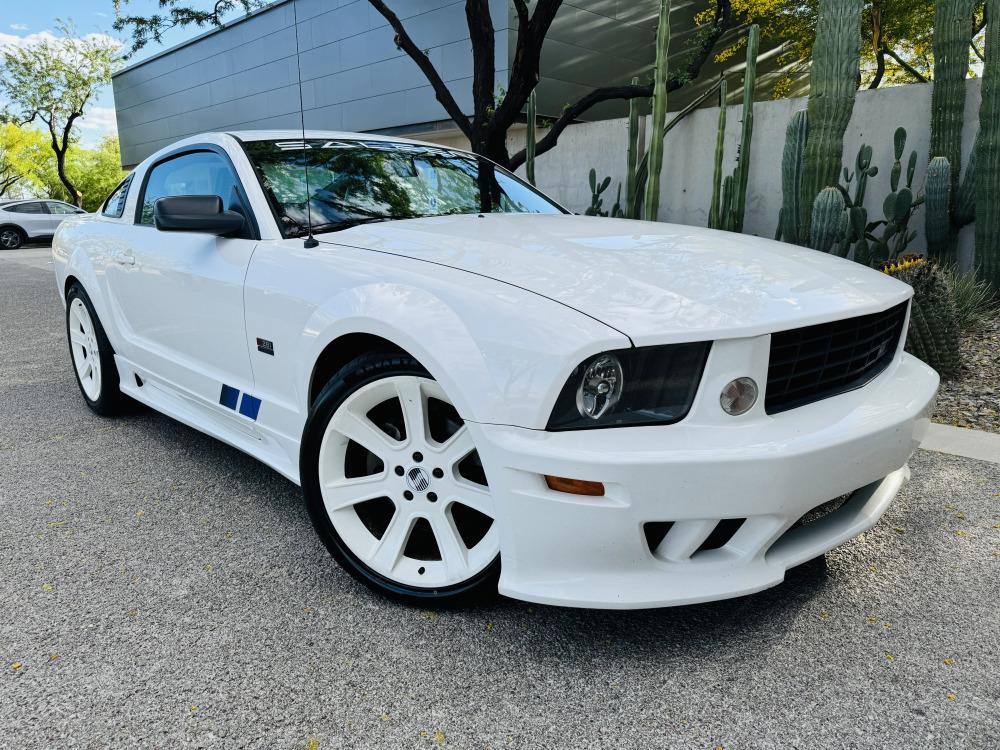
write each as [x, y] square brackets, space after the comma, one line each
[310, 241]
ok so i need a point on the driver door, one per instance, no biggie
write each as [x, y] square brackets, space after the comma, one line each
[180, 294]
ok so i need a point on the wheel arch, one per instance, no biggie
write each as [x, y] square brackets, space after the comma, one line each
[342, 351]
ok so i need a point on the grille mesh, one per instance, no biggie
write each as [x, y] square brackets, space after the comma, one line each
[816, 362]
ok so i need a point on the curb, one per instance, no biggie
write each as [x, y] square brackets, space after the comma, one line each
[959, 441]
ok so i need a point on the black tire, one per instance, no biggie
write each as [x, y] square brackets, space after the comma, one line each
[16, 235]
[110, 400]
[362, 371]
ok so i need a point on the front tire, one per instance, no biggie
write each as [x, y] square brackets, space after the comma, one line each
[395, 487]
[92, 356]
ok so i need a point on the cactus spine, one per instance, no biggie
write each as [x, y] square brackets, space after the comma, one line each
[952, 36]
[938, 195]
[714, 214]
[833, 83]
[529, 149]
[988, 155]
[652, 202]
[633, 153]
[742, 174]
[791, 177]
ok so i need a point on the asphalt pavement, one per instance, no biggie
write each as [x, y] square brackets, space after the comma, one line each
[159, 589]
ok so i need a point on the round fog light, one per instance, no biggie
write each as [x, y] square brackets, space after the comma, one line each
[739, 396]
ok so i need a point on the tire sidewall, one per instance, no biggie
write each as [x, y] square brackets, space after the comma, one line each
[110, 398]
[22, 238]
[363, 371]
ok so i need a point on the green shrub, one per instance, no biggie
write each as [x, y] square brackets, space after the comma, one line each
[975, 301]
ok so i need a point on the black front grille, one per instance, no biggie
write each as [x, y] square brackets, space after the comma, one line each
[813, 363]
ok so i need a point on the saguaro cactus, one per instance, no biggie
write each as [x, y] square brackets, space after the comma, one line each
[791, 177]
[529, 149]
[938, 195]
[652, 202]
[833, 82]
[988, 155]
[742, 174]
[952, 36]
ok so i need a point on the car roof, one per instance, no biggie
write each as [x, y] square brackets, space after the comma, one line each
[333, 135]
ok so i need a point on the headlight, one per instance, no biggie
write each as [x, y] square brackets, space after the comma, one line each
[648, 385]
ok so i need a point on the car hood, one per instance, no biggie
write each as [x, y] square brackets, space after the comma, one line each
[653, 282]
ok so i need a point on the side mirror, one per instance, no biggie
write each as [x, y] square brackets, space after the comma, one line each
[195, 213]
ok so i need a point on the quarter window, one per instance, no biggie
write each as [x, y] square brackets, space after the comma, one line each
[114, 206]
[28, 208]
[197, 173]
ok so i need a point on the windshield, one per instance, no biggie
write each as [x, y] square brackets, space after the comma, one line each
[353, 182]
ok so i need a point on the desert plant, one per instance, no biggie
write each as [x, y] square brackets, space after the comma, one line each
[597, 189]
[715, 209]
[933, 334]
[529, 160]
[791, 177]
[832, 85]
[659, 118]
[830, 222]
[975, 301]
[988, 155]
[633, 153]
[937, 213]
[742, 173]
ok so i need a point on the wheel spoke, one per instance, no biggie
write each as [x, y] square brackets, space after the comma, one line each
[361, 430]
[77, 337]
[458, 447]
[387, 551]
[413, 404]
[474, 496]
[453, 551]
[346, 493]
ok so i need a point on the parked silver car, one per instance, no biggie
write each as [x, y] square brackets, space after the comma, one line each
[24, 220]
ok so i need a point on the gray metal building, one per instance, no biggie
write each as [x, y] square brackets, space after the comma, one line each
[244, 75]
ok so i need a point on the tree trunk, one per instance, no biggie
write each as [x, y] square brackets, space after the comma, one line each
[878, 48]
[76, 197]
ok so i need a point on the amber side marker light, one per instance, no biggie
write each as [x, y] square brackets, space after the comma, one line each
[574, 486]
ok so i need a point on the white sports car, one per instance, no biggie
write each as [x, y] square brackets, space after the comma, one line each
[476, 389]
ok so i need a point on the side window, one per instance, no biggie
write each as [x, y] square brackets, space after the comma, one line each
[196, 173]
[60, 208]
[34, 207]
[114, 206]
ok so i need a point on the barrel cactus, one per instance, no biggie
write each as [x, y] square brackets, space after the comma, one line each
[933, 335]
[830, 221]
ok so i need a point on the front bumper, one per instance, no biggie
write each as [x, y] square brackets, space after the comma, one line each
[767, 471]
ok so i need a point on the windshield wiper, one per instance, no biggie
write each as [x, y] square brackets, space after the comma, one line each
[336, 226]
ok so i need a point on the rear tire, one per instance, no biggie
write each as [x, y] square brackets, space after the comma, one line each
[394, 485]
[11, 238]
[92, 357]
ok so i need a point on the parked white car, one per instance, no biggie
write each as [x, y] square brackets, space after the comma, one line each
[476, 389]
[27, 220]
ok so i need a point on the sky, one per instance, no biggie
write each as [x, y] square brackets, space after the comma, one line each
[20, 20]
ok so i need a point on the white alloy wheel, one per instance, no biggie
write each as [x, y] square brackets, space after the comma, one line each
[403, 486]
[83, 345]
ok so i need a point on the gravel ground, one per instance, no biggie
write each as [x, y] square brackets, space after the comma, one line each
[159, 589]
[973, 400]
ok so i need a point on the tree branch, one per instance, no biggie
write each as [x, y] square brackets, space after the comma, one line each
[481, 34]
[722, 23]
[570, 114]
[441, 92]
[904, 65]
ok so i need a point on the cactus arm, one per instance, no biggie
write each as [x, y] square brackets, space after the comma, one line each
[833, 84]
[988, 155]
[964, 211]
[953, 28]
[714, 219]
[791, 177]
[529, 146]
[742, 176]
[937, 225]
[633, 151]
[828, 219]
[652, 202]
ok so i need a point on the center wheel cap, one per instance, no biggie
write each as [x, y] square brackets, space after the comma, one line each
[417, 479]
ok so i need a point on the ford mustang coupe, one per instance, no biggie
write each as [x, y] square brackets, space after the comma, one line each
[477, 390]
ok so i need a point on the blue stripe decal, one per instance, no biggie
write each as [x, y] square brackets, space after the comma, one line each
[229, 397]
[249, 406]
